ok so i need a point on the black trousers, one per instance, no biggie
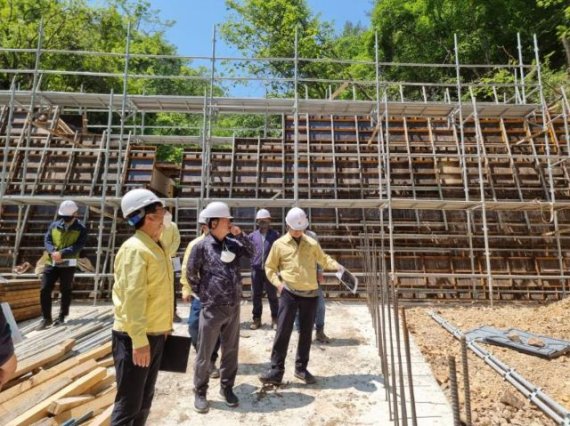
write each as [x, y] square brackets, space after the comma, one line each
[288, 306]
[49, 278]
[135, 385]
[259, 282]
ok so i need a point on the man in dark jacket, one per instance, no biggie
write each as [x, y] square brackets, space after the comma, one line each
[213, 273]
[63, 241]
[262, 238]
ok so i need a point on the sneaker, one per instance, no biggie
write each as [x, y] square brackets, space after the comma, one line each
[270, 378]
[322, 337]
[305, 376]
[274, 323]
[256, 323]
[44, 324]
[229, 396]
[59, 321]
[213, 371]
[201, 403]
[176, 318]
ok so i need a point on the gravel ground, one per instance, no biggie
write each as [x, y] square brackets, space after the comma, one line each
[495, 401]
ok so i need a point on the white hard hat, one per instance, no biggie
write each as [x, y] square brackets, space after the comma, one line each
[217, 209]
[137, 199]
[263, 214]
[67, 208]
[202, 218]
[297, 219]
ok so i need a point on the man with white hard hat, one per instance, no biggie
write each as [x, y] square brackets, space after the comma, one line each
[262, 238]
[143, 295]
[195, 305]
[63, 241]
[292, 268]
[213, 273]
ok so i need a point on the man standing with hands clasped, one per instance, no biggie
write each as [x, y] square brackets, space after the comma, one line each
[292, 268]
[213, 273]
[143, 299]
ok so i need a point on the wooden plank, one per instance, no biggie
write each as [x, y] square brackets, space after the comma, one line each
[103, 419]
[26, 400]
[67, 403]
[46, 421]
[98, 406]
[109, 380]
[96, 353]
[38, 379]
[76, 388]
[41, 359]
[106, 362]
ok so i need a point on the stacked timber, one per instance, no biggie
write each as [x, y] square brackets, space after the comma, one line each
[64, 375]
[23, 296]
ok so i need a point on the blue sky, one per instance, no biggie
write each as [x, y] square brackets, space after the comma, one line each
[195, 19]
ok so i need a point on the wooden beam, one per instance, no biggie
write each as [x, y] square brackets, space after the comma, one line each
[97, 406]
[44, 358]
[76, 388]
[26, 400]
[69, 402]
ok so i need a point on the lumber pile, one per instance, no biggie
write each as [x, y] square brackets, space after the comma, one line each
[23, 296]
[65, 375]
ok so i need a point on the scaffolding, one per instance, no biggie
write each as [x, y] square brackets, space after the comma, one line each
[465, 199]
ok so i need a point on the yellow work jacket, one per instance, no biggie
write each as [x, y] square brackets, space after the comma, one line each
[297, 263]
[186, 289]
[170, 239]
[143, 293]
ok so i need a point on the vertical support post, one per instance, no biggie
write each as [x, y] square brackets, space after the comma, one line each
[521, 69]
[123, 109]
[466, 385]
[98, 270]
[5, 176]
[479, 144]
[209, 113]
[296, 122]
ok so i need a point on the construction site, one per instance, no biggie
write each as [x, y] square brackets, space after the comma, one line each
[453, 211]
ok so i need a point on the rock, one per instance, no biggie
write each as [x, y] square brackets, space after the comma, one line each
[534, 341]
[441, 376]
[514, 337]
[509, 398]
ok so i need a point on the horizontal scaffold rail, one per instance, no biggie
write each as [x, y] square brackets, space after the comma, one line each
[195, 104]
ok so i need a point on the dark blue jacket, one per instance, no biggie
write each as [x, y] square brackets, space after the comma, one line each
[213, 281]
[255, 237]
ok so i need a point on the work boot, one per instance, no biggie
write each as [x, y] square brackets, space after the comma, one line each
[322, 337]
[213, 371]
[274, 323]
[270, 378]
[176, 318]
[305, 376]
[256, 323]
[45, 323]
[201, 403]
[229, 396]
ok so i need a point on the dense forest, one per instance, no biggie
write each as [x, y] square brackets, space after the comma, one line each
[413, 31]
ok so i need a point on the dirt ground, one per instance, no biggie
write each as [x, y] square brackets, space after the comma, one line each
[349, 389]
[488, 389]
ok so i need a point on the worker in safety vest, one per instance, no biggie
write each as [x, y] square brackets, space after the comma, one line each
[63, 241]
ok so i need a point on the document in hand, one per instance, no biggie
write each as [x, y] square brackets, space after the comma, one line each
[349, 280]
[175, 354]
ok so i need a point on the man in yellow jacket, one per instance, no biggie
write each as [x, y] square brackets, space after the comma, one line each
[292, 267]
[142, 297]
